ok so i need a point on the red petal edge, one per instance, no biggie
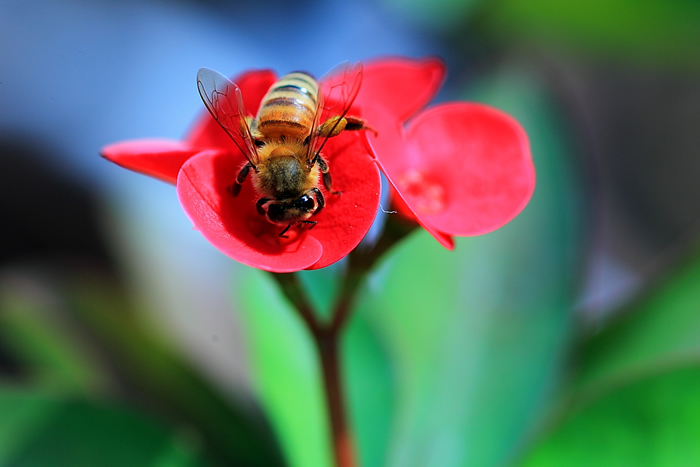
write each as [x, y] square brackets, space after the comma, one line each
[158, 158]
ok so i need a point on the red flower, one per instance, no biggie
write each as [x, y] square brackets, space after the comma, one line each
[457, 169]
[207, 162]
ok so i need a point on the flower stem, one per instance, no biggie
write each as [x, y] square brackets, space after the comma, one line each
[327, 335]
[327, 343]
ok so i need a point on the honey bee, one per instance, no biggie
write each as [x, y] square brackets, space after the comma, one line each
[283, 142]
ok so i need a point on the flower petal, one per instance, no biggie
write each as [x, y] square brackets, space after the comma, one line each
[159, 158]
[398, 204]
[461, 168]
[401, 85]
[346, 219]
[232, 224]
[207, 133]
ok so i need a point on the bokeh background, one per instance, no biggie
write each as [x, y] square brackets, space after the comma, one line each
[572, 335]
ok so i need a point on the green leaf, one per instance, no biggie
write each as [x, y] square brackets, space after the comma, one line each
[633, 399]
[150, 368]
[80, 335]
[657, 31]
[654, 422]
[32, 326]
[21, 418]
[286, 370]
[370, 383]
[658, 331]
[38, 430]
[322, 286]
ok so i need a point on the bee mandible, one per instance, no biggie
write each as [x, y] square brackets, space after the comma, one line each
[283, 143]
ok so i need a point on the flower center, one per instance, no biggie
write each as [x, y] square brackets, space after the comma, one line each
[424, 194]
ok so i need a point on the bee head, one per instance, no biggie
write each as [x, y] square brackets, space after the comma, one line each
[292, 211]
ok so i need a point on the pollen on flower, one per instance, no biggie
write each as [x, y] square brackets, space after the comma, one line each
[425, 194]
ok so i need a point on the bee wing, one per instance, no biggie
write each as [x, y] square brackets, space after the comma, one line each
[337, 91]
[225, 103]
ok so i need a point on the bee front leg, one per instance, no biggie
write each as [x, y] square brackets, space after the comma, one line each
[236, 187]
[323, 165]
[259, 205]
[320, 200]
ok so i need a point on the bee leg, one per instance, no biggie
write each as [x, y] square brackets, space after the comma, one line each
[320, 200]
[355, 124]
[259, 206]
[313, 223]
[332, 127]
[336, 125]
[327, 184]
[282, 234]
[323, 165]
[236, 187]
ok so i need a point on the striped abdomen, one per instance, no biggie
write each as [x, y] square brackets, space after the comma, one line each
[289, 107]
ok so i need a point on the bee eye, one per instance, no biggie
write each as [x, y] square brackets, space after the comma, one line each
[306, 202]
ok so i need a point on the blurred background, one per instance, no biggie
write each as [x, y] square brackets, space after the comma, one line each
[570, 335]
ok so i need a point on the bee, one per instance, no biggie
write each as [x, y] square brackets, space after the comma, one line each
[283, 143]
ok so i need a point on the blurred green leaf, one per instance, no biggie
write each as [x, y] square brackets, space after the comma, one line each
[149, 366]
[658, 331]
[370, 381]
[53, 353]
[21, 418]
[36, 430]
[634, 396]
[81, 335]
[659, 31]
[322, 286]
[285, 369]
[654, 422]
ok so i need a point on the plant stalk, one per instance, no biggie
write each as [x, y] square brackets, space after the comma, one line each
[327, 343]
